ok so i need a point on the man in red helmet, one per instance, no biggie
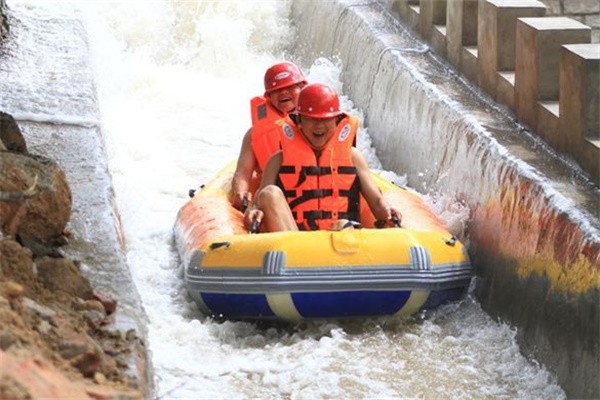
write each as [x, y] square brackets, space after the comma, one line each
[316, 179]
[283, 82]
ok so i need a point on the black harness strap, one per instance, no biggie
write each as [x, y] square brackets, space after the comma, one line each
[312, 171]
[311, 218]
[353, 200]
[309, 195]
[289, 194]
[287, 169]
[346, 170]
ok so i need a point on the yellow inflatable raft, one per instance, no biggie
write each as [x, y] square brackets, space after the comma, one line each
[322, 274]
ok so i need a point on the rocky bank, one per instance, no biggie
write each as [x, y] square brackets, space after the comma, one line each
[57, 336]
[71, 323]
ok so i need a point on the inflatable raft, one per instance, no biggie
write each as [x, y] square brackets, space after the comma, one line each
[356, 272]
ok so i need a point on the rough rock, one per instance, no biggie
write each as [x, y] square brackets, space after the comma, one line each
[44, 215]
[10, 134]
[16, 263]
[56, 339]
[109, 304]
[62, 274]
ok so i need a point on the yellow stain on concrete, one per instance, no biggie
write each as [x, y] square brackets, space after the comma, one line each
[579, 277]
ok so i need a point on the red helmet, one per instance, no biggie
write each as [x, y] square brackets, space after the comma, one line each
[318, 100]
[282, 75]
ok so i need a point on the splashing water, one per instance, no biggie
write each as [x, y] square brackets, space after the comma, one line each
[174, 81]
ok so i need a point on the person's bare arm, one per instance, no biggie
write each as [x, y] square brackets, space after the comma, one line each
[271, 171]
[377, 203]
[242, 176]
[269, 177]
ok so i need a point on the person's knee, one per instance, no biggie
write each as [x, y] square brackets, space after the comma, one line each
[269, 195]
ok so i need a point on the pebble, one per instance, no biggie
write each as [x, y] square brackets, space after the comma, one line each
[99, 378]
[95, 305]
[13, 289]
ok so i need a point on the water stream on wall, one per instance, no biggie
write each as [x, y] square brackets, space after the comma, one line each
[174, 80]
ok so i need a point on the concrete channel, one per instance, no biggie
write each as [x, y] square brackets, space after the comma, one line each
[534, 229]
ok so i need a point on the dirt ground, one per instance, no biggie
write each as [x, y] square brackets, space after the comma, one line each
[56, 339]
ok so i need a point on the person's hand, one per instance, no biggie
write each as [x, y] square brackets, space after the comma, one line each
[393, 217]
[241, 200]
[252, 214]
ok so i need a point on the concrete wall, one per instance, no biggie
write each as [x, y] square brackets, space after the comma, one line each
[516, 53]
[534, 233]
[584, 11]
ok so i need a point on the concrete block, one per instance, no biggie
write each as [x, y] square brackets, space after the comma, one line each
[414, 12]
[461, 28]
[432, 12]
[409, 11]
[400, 7]
[547, 123]
[538, 42]
[438, 40]
[580, 102]
[505, 88]
[496, 36]
[590, 159]
[470, 63]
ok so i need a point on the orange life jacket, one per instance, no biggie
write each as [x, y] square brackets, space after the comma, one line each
[265, 133]
[319, 190]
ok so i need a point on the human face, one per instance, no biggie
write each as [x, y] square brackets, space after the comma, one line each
[285, 99]
[318, 131]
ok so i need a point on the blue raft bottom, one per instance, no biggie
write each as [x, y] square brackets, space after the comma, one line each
[325, 304]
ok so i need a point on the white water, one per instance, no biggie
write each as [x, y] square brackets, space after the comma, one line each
[174, 80]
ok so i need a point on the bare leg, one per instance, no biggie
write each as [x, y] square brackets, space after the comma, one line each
[277, 214]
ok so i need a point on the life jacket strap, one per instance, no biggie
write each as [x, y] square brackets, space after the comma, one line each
[312, 171]
[309, 195]
[311, 218]
[287, 169]
[346, 170]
